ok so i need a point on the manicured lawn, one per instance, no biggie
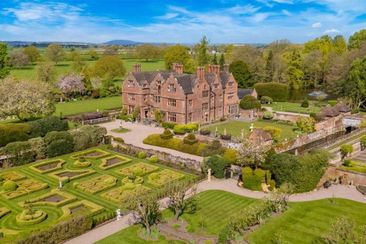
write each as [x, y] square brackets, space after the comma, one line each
[121, 130]
[234, 128]
[30, 72]
[92, 187]
[91, 105]
[305, 222]
[295, 107]
[131, 236]
[355, 167]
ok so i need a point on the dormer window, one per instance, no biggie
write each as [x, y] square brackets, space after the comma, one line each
[171, 88]
[204, 93]
[230, 83]
[130, 83]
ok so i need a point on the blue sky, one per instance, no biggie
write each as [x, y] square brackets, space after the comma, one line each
[222, 21]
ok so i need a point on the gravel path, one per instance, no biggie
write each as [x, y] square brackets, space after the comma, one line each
[229, 185]
[138, 133]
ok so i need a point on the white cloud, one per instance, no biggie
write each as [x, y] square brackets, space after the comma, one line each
[286, 12]
[332, 31]
[316, 25]
[247, 9]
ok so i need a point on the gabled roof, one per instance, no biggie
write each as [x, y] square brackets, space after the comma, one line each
[244, 92]
[186, 81]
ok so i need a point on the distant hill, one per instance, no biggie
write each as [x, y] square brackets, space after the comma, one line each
[123, 43]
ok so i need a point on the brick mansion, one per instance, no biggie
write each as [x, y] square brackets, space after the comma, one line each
[202, 97]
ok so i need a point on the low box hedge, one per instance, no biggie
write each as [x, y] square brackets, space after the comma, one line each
[176, 144]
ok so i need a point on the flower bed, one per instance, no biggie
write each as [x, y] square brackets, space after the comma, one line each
[91, 154]
[96, 184]
[29, 217]
[54, 198]
[25, 187]
[123, 193]
[66, 175]
[163, 177]
[113, 161]
[81, 164]
[84, 205]
[12, 175]
[48, 166]
[138, 169]
[4, 211]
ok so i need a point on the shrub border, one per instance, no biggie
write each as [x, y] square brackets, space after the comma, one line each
[104, 162]
[118, 171]
[25, 192]
[33, 221]
[93, 207]
[37, 201]
[85, 152]
[67, 178]
[76, 184]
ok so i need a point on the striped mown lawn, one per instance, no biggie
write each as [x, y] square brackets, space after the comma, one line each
[305, 222]
[215, 209]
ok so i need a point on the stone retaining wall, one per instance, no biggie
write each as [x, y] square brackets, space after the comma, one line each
[182, 163]
[348, 178]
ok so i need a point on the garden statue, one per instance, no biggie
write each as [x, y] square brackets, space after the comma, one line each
[225, 131]
[251, 127]
[209, 175]
[242, 133]
[119, 216]
[60, 184]
[216, 131]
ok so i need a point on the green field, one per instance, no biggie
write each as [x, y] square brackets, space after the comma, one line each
[90, 188]
[303, 222]
[234, 128]
[295, 107]
[90, 105]
[30, 72]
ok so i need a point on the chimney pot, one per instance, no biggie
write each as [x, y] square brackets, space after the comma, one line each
[201, 73]
[226, 68]
[137, 68]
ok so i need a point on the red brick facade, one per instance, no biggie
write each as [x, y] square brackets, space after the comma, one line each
[182, 98]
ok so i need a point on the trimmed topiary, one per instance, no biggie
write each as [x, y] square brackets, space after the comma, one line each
[81, 164]
[141, 155]
[266, 100]
[179, 129]
[153, 159]
[166, 135]
[250, 102]
[190, 139]
[10, 185]
[305, 103]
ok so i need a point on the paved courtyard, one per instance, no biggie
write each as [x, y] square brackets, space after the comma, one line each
[138, 132]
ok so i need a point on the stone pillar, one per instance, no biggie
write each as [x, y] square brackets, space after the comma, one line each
[119, 216]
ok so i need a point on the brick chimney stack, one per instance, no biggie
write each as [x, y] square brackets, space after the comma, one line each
[215, 69]
[226, 68]
[201, 73]
[178, 68]
[137, 68]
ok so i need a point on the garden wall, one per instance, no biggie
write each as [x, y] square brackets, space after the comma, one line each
[353, 178]
[163, 156]
[287, 116]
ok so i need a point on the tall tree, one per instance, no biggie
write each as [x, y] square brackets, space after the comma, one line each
[147, 52]
[294, 71]
[181, 197]
[222, 61]
[18, 59]
[110, 67]
[32, 53]
[354, 87]
[25, 100]
[357, 39]
[71, 84]
[269, 67]
[241, 72]
[251, 153]
[179, 54]
[4, 68]
[145, 207]
[214, 59]
[340, 45]
[202, 52]
[46, 72]
[55, 53]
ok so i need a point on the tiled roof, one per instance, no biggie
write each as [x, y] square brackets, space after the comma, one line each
[185, 80]
[244, 92]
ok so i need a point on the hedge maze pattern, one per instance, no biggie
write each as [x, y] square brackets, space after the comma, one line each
[30, 198]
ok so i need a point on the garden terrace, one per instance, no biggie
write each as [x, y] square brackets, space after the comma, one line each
[234, 128]
[48, 166]
[96, 192]
[113, 161]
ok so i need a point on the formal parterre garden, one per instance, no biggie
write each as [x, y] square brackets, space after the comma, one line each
[37, 196]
